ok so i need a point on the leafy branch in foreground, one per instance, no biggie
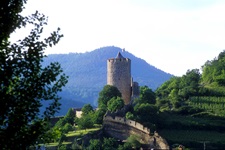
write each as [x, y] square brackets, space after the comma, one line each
[24, 83]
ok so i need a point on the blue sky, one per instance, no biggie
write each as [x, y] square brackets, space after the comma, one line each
[172, 35]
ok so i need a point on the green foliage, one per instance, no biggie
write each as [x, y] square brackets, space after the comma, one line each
[146, 112]
[133, 140]
[106, 144]
[98, 116]
[56, 134]
[88, 117]
[24, 83]
[62, 147]
[146, 96]
[50, 136]
[106, 94]
[214, 71]
[86, 121]
[109, 144]
[130, 116]
[215, 105]
[67, 127]
[61, 140]
[75, 145]
[177, 90]
[60, 123]
[86, 109]
[63, 126]
[70, 116]
[115, 103]
[10, 18]
[125, 146]
[95, 144]
[190, 84]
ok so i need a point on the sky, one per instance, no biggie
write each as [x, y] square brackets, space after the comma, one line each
[172, 35]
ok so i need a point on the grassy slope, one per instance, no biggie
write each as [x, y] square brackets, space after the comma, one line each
[74, 134]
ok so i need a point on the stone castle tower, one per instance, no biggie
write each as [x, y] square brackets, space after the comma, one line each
[119, 75]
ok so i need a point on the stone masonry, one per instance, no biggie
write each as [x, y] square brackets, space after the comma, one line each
[119, 75]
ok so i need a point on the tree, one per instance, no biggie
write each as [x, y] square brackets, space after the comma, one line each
[59, 124]
[10, 18]
[146, 96]
[189, 84]
[109, 144]
[98, 117]
[214, 71]
[176, 91]
[70, 116]
[106, 94]
[115, 103]
[133, 140]
[146, 112]
[24, 83]
[95, 144]
[105, 144]
[132, 143]
[67, 127]
[86, 121]
[86, 109]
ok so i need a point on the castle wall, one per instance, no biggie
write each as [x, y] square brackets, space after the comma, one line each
[119, 75]
[135, 89]
[121, 128]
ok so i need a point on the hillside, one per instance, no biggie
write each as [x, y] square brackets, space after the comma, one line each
[87, 74]
[192, 107]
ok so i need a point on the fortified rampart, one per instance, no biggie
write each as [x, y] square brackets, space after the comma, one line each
[121, 128]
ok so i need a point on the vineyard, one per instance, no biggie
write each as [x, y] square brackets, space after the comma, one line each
[194, 139]
[215, 105]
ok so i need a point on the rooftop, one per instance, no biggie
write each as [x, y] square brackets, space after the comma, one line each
[119, 55]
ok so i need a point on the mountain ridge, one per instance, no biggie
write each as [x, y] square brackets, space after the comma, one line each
[88, 73]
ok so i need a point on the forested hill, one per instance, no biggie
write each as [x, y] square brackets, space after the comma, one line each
[87, 73]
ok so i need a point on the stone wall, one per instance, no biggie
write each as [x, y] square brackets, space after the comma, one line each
[121, 128]
[135, 89]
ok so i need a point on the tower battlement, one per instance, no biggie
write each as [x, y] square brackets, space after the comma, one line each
[118, 60]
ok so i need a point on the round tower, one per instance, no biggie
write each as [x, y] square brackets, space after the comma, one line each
[119, 75]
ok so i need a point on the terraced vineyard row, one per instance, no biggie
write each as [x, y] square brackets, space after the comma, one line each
[195, 139]
[215, 105]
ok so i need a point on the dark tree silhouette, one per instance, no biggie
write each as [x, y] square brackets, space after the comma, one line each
[24, 83]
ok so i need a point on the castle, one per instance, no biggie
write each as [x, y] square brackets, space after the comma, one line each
[119, 75]
[114, 123]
